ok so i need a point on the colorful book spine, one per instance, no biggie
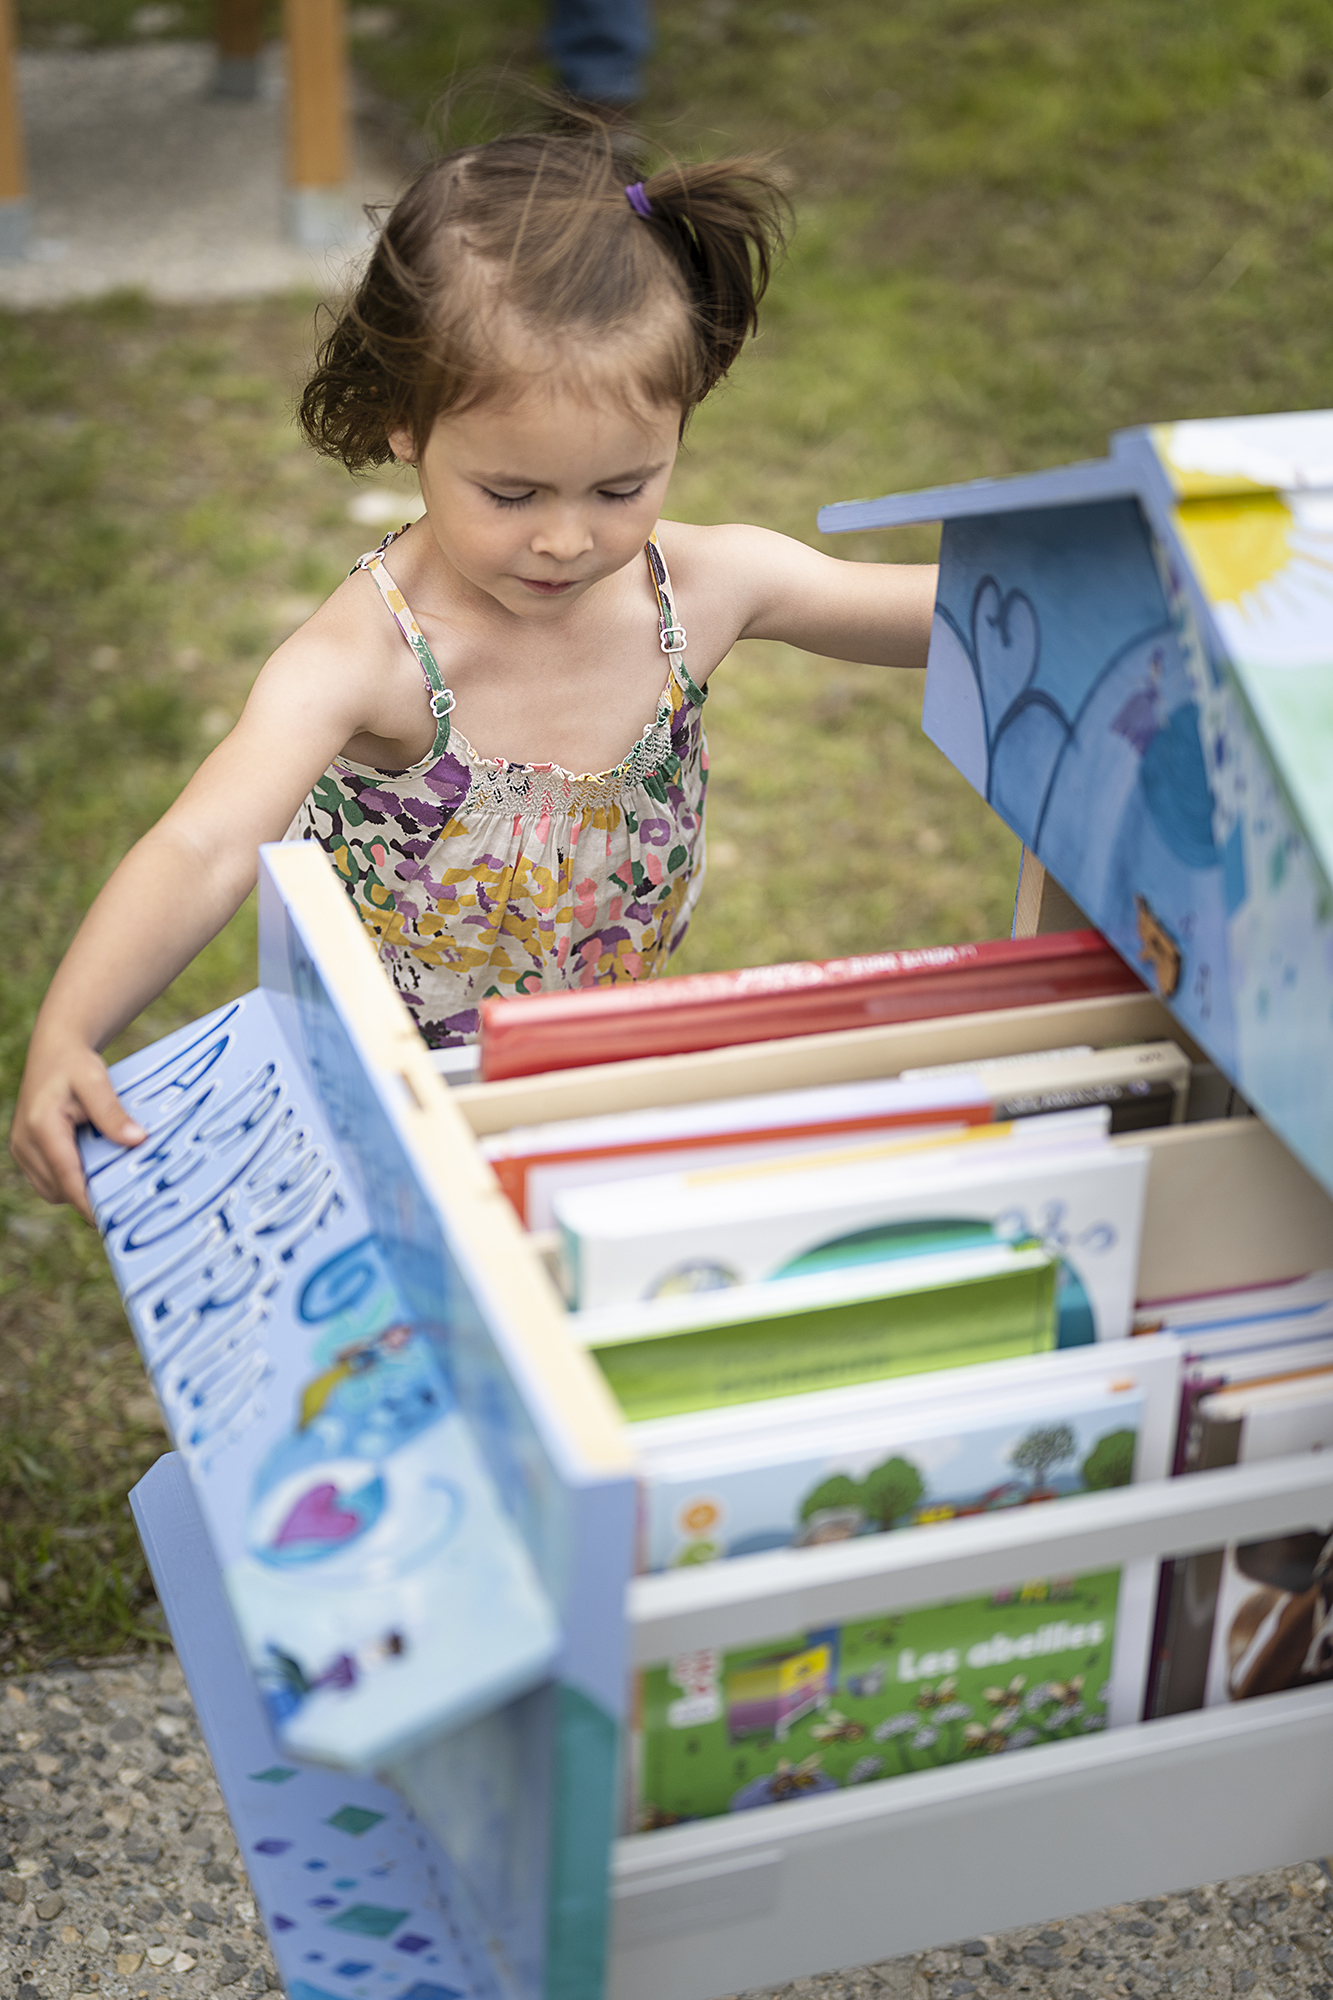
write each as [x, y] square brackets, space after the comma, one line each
[709, 1010]
[532, 1165]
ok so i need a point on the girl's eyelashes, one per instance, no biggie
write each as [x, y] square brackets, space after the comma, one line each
[522, 499]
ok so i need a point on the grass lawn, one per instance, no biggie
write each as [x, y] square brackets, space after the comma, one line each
[1021, 224]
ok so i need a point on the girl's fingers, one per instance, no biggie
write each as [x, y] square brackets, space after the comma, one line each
[71, 1186]
[96, 1099]
[101, 1107]
[49, 1156]
[43, 1140]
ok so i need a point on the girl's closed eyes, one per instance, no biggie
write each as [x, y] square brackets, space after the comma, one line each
[522, 499]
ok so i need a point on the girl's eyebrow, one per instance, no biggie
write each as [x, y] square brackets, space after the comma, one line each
[639, 472]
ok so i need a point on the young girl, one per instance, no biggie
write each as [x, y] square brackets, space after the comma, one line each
[474, 726]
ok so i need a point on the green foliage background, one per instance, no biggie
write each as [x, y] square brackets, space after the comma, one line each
[1021, 224]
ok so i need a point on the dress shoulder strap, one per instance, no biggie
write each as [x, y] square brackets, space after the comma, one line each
[673, 634]
[441, 697]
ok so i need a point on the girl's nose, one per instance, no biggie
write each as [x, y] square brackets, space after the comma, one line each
[564, 536]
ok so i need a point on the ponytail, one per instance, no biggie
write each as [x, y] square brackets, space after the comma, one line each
[723, 224]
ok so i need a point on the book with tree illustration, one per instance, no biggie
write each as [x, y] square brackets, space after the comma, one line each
[819, 1711]
[895, 1467]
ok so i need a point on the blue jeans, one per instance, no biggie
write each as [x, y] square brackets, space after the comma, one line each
[598, 45]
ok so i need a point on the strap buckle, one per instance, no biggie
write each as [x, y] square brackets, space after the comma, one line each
[442, 703]
[673, 638]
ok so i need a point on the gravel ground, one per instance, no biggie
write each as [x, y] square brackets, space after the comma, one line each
[119, 1878]
[118, 1872]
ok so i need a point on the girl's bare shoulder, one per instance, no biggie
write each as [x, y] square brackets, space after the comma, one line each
[708, 551]
[353, 633]
[724, 575]
[350, 659]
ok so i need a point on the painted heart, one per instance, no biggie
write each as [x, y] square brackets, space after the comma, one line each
[1006, 645]
[318, 1517]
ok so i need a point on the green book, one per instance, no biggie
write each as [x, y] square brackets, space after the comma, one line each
[853, 1704]
[748, 1343]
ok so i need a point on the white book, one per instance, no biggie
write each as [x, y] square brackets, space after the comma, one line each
[1275, 1418]
[1142, 1084]
[1259, 1347]
[1081, 1200]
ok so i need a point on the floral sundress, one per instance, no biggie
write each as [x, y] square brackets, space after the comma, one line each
[477, 877]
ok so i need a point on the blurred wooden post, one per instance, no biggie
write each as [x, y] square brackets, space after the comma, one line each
[240, 38]
[15, 205]
[317, 114]
[1041, 905]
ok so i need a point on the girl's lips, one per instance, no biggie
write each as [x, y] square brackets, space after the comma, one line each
[544, 589]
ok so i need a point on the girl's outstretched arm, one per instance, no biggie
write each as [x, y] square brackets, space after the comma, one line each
[877, 612]
[174, 891]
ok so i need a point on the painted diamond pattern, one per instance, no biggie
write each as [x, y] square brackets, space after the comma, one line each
[368, 1920]
[355, 1820]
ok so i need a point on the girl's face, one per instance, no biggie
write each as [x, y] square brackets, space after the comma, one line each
[535, 502]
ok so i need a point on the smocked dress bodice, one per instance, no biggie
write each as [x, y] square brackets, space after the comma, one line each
[479, 877]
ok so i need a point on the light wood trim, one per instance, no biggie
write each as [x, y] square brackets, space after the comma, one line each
[850, 1056]
[13, 167]
[1228, 1205]
[317, 98]
[1041, 905]
[240, 28]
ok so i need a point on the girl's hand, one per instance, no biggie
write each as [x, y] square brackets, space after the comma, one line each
[61, 1090]
[190, 873]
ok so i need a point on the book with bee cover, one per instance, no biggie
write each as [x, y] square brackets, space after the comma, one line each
[815, 1711]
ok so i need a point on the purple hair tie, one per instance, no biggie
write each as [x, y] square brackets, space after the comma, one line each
[638, 200]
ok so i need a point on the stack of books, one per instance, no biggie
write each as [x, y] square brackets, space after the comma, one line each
[1256, 1383]
[857, 1310]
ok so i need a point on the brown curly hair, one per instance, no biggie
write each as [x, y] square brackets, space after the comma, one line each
[505, 259]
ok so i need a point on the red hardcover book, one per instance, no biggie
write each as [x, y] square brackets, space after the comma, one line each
[762, 1003]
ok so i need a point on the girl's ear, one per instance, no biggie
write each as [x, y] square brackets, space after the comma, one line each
[402, 444]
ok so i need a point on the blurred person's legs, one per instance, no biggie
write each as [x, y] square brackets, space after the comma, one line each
[597, 47]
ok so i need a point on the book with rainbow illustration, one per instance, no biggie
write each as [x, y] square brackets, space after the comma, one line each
[659, 1268]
